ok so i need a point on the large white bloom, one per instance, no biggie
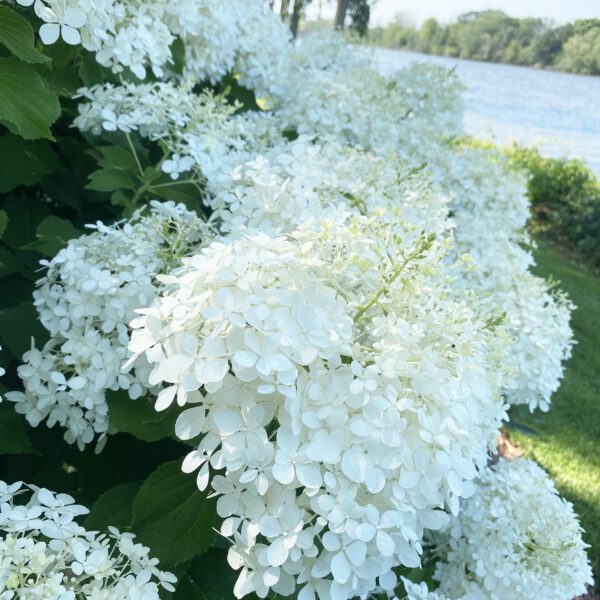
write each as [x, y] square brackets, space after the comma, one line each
[336, 388]
[85, 301]
[219, 38]
[308, 180]
[514, 538]
[44, 553]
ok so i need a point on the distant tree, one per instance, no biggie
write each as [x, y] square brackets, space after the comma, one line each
[359, 12]
[581, 53]
[340, 14]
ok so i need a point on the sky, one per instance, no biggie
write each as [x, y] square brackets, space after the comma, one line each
[560, 11]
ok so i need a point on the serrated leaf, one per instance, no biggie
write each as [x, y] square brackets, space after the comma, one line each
[27, 106]
[24, 162]
[114, 507]
[3, 222]
[52, 235]
[109, 180]
[13, 436]
[171, 516]
[17, 35]
[139, 418]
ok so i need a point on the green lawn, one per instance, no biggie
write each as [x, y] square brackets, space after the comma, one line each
[567, 443]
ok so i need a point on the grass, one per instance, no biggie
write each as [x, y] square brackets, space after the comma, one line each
[567, 439]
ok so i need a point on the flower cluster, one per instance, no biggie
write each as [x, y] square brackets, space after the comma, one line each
[514, 538]
[343, 399]
[45, 553]
[308, 180]
[413, 114]
[490, 209]
[219, 38]
[199, 132]
[89, 294]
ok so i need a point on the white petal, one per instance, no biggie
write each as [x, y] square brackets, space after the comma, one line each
[70, 35]
[277, 553]
[49, 33]
[340, 568]
[75, 17]
[165, 398]
[193, 461]
[189, 423]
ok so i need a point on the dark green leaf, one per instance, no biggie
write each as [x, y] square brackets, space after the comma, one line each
[114, 507]
[18, 324]
[185, 193]
[171, 516]
[117, 157]
[109, 180]
[13, 437]
[213, 576]
[27, 106]
[52, 234]
[139, 418]
[24, 162]
[9, 265]
[3, 222]
[17, 35]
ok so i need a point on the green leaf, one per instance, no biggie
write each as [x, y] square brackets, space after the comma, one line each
[17, 35]
[3, 222]
[114, 507]
[24, 162]
[139, 418]
[180, 192]
[117, 157]
[213, 576]
[171, 516]
[18, 324]
[13, 437]
[27, 106]
[52, 235]
[109, 180]
[9, 265]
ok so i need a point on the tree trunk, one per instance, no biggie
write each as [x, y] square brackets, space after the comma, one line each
[340, 14]
[285, 4]
[295, 22]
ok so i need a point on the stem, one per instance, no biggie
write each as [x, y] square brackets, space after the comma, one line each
[135, 155]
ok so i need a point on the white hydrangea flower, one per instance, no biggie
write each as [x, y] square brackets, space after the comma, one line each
[340, 394]
[85, 301]
[44, 553]
[490, 210]
[514, 538]
[307, 180]
[219, 38]
[199, 132]
[336, 92]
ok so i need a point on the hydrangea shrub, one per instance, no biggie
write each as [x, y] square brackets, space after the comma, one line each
[279, 357]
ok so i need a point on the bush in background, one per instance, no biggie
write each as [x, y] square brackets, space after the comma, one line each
[565, 199]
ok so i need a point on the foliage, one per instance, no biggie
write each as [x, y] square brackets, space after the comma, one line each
[493, 36]
[565, 198]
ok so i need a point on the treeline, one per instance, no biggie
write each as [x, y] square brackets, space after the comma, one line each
[494, 36]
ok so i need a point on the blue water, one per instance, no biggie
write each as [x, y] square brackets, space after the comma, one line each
[559, 112]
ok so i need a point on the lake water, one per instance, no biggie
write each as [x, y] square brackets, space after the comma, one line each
[559, 112]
